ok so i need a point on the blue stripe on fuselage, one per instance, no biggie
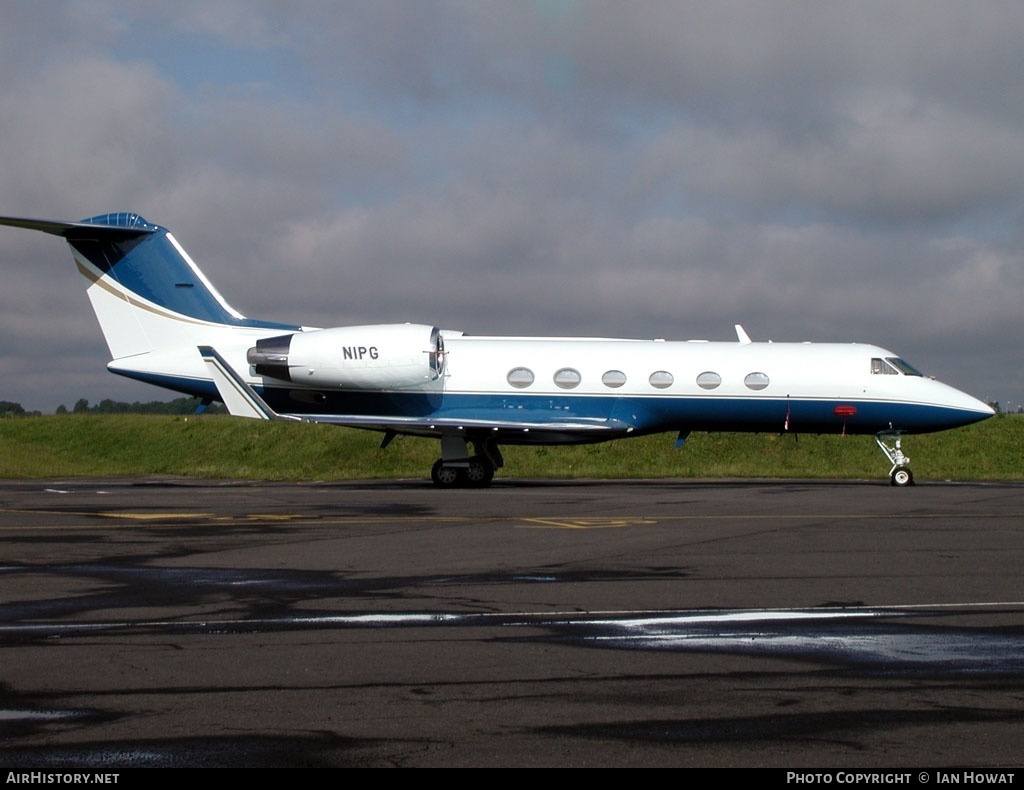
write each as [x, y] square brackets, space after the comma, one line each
[645, 414]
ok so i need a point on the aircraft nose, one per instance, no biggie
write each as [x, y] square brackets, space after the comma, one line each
[972, 409]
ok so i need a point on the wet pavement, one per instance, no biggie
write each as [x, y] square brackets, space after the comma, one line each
[168, 622]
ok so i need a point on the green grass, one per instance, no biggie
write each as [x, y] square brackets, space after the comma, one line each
[212, 446]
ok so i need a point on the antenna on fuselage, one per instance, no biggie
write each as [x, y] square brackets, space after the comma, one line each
[742, 336]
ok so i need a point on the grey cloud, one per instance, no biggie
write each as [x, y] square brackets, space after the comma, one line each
[815, 171]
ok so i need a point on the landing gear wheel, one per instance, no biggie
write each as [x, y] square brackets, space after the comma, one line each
[446, 476]
[901, 476]
[480, 472]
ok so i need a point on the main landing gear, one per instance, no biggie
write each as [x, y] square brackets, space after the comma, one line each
[476, 473]
[456, 468]
[890, 443]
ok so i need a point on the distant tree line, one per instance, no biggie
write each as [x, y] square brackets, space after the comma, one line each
[11, 409]
[108, 406]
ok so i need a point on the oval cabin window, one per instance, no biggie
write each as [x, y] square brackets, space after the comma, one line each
[613, 378]
[661, 379]
[567, 378]
[709, 380]
[756, 381]
[520, 378]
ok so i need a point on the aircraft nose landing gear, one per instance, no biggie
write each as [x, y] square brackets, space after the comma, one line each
[900, 474]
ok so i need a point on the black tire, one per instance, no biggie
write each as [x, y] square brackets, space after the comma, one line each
[901, 477]
[480, 472]
[447, 476]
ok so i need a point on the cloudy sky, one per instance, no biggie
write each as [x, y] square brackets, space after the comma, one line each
[644, 168]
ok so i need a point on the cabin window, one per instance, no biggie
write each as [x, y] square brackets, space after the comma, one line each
[709, 380]
[756, 381]
[520, 378]
[661, 379]
[567, 378]
[613, 379]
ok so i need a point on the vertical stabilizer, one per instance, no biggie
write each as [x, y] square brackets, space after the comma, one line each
[144, 288]
[146, 291]
[154, 305]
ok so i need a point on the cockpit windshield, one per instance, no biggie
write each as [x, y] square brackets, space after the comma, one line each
[904, 367]
[893, 366]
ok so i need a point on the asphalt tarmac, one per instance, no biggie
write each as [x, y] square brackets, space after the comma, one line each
[784, 624]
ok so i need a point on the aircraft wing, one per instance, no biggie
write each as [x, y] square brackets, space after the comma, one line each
[432, 426]
[242, 400]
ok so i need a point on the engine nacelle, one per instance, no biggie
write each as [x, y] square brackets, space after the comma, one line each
[382, 356]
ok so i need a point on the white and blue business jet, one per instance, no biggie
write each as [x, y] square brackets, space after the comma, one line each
[167, 325]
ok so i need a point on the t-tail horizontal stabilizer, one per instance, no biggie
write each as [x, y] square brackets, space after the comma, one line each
[240, 399]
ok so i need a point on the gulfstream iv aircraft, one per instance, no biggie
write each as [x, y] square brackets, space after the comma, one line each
[166, 324]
